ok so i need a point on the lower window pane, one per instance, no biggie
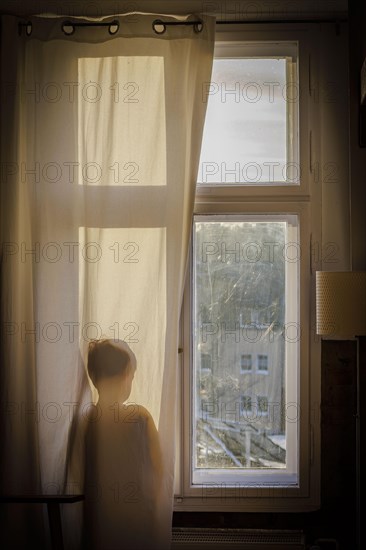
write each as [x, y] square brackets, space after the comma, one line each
[245, 344]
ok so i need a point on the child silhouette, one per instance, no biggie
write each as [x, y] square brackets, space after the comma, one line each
[123, 465]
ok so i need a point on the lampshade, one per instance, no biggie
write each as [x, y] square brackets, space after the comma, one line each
[341, 303]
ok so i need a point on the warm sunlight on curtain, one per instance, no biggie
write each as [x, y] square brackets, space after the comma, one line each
[100, 143]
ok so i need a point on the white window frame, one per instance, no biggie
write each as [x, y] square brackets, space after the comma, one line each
[302, 200]
[234, 49]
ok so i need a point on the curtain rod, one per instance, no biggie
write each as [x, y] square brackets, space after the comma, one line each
[251, 21]
[267, 21]
[159, 26]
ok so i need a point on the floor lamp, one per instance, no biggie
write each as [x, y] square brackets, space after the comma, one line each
[341, 313]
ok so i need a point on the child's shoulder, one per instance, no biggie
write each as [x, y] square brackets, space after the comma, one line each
[137, 411]
[143, 412]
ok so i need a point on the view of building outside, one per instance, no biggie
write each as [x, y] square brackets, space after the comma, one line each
[239, 344]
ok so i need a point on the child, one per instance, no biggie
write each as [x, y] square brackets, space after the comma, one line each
[123, 466]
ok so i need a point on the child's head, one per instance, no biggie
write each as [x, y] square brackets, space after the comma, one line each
[108, 359]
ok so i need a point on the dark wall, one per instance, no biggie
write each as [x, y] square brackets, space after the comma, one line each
[357, 55]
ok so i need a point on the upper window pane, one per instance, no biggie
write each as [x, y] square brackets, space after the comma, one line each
[250, 133]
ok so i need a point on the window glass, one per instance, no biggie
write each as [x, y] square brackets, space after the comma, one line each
[262, 362]
[250, 133]
[246, 362]
[244, 300]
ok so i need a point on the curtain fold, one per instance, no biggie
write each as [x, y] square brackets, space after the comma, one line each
[100, 144]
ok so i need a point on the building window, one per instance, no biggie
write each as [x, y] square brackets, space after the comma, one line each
[248, 291]
[206, 363]
[246, 362]
[262, 402]
[246, 403]
[262, 363]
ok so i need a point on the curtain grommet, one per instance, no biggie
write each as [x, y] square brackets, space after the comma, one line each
[28, 28]
[158, 26]
[68, 28]
[198, 26]
[113, 27]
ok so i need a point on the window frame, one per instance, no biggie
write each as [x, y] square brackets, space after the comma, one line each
[277, 476]
[234, 49]
[306, 152]
[303, 201]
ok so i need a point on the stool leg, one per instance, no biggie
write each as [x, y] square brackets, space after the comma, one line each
[54, 519]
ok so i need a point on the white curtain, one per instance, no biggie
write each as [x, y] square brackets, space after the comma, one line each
[100, 143]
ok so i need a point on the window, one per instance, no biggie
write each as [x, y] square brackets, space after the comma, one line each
[247, 438]
[262, 404]
[246, 403]
[206, 361]
[251, 130]
[239, 265]
[262, 363]
[246, 362]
